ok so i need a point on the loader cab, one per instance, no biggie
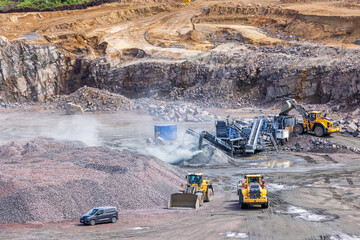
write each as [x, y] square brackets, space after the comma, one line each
[314, 115]
[195, 179]
[253, 179]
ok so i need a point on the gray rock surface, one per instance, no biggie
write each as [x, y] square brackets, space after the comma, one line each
[30, 71]
[232, 71]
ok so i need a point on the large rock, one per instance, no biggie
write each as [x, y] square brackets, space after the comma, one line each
[71, 108]
[30, 71]
[351, 128]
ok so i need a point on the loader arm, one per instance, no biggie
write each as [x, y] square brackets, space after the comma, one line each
[291, 104]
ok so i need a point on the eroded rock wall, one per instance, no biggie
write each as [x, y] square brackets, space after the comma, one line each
[30, 71]
[305, 71]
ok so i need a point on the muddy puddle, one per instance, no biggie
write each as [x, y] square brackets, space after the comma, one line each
[274, 164]
[234, 235]
[307, 215]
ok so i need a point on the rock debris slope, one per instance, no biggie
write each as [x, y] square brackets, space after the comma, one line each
[46, 180]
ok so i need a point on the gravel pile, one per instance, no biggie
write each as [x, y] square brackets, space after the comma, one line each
[46, 180]
[93, 99]
[175, 111]
[319, 144]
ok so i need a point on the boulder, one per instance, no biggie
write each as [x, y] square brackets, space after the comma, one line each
[73, 109]
[351, 128]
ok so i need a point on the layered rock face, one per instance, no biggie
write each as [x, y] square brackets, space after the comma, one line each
[229, 73]
[306, 71]
[30, 71]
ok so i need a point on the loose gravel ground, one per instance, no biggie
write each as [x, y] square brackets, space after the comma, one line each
[47, 180]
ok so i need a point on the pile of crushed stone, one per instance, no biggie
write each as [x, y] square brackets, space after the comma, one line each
[93, 99]
[96, 100]
[46, 180]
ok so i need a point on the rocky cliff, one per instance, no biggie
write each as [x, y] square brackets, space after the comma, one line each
[230, 73]
[30, 71]
[305, 71]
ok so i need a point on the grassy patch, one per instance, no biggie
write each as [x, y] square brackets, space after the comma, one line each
[38, 4]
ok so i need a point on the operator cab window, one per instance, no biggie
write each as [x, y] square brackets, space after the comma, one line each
[319, 115]
[312, 116]
[253, 180]
[195, 179]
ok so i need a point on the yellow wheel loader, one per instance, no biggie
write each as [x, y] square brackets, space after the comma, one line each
[313, 121]
[193, 194]
[252, 191]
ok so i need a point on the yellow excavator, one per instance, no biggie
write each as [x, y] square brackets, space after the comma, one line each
[313, 121]
[194, 193]
[252, 191]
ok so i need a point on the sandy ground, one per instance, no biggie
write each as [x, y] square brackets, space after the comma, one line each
[312, 195]
[163, 29]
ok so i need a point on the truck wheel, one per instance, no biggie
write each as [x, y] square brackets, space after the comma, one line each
[241, 203]
[319, 131]
[265, 205]
[113, 220]
[209, 195]
[201, 198]
[298, 128]
[92, 222]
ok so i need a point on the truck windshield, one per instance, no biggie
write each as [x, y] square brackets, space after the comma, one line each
[92, 211]
[192, 179]
[253, 179]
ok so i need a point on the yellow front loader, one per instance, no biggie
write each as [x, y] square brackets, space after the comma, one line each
[313, 121]
[193, 194]
[252, 191]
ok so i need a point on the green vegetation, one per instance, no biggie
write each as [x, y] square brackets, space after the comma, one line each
[38, 4]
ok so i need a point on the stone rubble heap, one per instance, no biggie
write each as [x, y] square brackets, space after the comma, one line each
[318, 143]
[44, 180]
[92, 100]
[350, 128]
[176, 111]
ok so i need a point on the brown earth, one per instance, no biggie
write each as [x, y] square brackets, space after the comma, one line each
[147, 23]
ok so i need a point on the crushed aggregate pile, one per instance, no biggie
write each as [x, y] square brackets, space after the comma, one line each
[93, 99]
[45, 180]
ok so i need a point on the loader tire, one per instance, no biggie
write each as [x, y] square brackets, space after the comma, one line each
[298, 128]
[241, 203]
[209, 195]
[265, 205]
[201, 198]
[319, 131]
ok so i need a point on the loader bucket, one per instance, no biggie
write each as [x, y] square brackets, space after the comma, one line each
[184, 200]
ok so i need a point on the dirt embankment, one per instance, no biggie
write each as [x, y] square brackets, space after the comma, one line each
[289, 21]
[46, 180]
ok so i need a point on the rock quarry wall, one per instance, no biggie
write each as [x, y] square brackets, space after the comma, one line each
[31, 72]
[305, 71]
[229, 73]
